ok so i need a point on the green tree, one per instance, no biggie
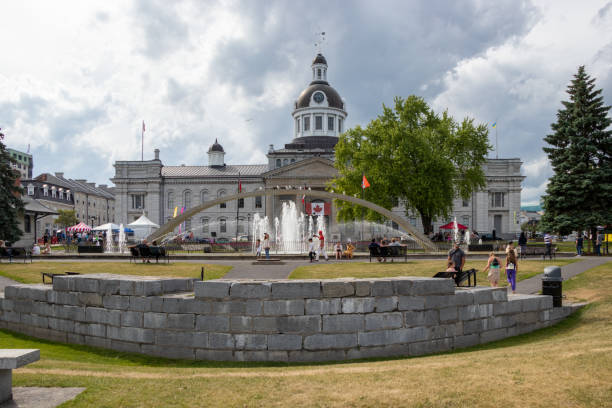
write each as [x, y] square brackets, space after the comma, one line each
[579, 193]
[413, 155]
[66, 218]
[10, 197]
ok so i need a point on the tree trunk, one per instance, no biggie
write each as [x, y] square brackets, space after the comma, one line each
[427, 227]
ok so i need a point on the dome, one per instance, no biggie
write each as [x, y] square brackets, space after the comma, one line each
[216, 147]
[319, 59]
[333, 97]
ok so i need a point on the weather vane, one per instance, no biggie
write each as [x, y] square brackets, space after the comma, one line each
[320, 41]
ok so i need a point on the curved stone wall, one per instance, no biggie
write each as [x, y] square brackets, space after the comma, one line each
[286, 320]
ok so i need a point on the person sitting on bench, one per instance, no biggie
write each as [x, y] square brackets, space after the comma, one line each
[375, 249]
[348, 254]
[143, 248]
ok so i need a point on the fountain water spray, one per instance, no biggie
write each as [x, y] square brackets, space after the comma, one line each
[108, 245]
[456, 230]
[122, 240]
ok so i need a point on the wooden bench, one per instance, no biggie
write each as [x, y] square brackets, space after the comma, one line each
[9, 360]
[15, 252]
[460, 277]
[53, 275]
[538, 251]
[392, 252]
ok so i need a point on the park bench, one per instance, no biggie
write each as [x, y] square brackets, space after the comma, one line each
[389, 252]
[11, 359]
[538, 251]
[53, 275]
[15, 252]
[460, 277]
[90, 249]
[149, 252]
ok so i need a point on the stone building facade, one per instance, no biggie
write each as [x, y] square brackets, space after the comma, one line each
[319, 116]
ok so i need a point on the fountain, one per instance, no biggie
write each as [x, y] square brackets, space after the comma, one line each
[468, 239]
[456, 230]
[122, 241]
[108, 245]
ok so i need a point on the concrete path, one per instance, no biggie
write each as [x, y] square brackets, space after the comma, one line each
[41, 397]
[534, 284]
[4, 282]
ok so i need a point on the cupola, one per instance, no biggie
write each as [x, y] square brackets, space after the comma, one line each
[216, 155]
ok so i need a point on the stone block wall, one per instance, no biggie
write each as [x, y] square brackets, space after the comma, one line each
[285, 320]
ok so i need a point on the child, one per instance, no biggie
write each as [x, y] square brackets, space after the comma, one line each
[266, 244]
[511, 269]
[258, 248]
[493, 266]
[338, 249]
[450, 267]
[312, 249]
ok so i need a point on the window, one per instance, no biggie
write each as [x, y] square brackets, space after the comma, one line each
[339, 125]
[240, 226]
[278, 163]
[257, 202]
[298, 125]
[203, 196]
[187, 199]
[53, 192]
[319, 73]
[188, 224]
[221, 194]
[68, 195]
[285, 162]
[465, 203]
[241, 203]
[318, 122]
[61, 193]
[497, 200]
[413, 221]
[292, 160]
[26, 224]
[465, 220]
[46, 190]
[30, 189]
[204, 222]
[330, 122]
[222, 225]
[306, 123]
[170, 199]
[138, 201]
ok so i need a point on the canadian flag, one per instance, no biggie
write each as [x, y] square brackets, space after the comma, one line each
[318, 209]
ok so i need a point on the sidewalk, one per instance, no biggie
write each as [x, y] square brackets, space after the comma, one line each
[534, 284]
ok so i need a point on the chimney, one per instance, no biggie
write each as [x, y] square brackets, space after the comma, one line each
[59, 175]
[91, 184]
[103, 186]
[156, 151]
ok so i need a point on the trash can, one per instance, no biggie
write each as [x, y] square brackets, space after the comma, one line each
[552, 284]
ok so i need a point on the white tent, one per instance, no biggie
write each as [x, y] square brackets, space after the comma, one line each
[143, 227]
[104, 227]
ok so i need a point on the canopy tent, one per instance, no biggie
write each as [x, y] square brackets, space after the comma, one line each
[114, 227]
[143, 227]
[451, 225]
[80, 227]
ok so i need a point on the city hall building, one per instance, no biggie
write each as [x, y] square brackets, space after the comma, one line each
[319, 116]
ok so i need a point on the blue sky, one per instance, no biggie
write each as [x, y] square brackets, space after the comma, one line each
[77, 78]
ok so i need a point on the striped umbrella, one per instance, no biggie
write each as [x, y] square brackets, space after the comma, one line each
[80, 227]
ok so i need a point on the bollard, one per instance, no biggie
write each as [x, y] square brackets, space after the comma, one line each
[552, 284]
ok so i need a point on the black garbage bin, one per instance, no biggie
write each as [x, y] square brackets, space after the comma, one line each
[552, 284]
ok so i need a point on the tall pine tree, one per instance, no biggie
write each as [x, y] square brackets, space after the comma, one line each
[10, 193]
[579, 194]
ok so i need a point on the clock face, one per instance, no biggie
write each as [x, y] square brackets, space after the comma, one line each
[318, 97]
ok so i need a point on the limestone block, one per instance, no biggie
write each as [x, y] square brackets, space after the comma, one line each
[448, 314]
[250, 342]
[265, 324]
[283, 307]
[421, 318]
[378, 321]
[174, 338]
[527, 317]
[90, 329]
[362, 287]
[430, 346]
[330, 341]
[241, 323]
[75, 338]
[98, 342]
[475, 311]
[378, 351]
[258, 290]
[386, 304]
[463, 297]
[500, 295]
[182, 353]
[214, 289]
[127, 287]
[382, 287]
[200, 339]
[99, 315]
[396, 336]
[181, 321]
[153, 320]
[402, 286]
[43, 308]
[284, 342]
[124, 346]
[337, 288]
[36, 292]
[109, 287]
[358, 305]
[9, 304]
[250, 355]
[466, 340]
[229, 307]
[278, 356]
[530, 304]
[23, 305]
[299, 324]
[63, 284]
[493, 335]
[320, 355]
[171, 305]
[442, 331]
[503, 321]
[90, 299]
[433, 286]
[140, 304]
[214, 355]
[63, 298]
[131, 319]
[116, 302]
[212, 323]
[476, 326]
[177, 285]
[82, 284]
[343, 323]
[61, 325]
[34, 320]
[10, 316]
[131, 334]
[157, 304]
[509, 307]
[147, 288]
[438, 302]
[411, 303]
[546, 302]
[194, 306]
[323, 306]
[296, 289]
[220, 341]
[76, 313]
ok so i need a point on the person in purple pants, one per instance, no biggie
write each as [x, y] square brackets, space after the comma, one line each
[511, 269]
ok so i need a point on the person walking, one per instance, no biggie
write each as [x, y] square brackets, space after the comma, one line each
[579, 244]
[598, 243]
[511, 269]
[493, 266]
[322, 246]
[522, 242]
[266, 244]
[548, 244]
[312, 250]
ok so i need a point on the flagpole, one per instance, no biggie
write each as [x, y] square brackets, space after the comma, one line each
[238, 209]
[142, 142]
[496, 142]
[362, 197]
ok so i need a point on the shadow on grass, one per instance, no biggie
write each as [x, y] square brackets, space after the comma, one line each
[115, 358]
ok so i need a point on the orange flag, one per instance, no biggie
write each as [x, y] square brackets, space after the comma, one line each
[364, 183]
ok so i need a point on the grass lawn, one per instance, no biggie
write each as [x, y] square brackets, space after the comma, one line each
[526, 270]
[569, 365]
[31, 273]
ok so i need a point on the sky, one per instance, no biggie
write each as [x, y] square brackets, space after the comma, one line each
[77, 78]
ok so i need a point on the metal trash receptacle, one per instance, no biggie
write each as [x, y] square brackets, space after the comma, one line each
[552, 284]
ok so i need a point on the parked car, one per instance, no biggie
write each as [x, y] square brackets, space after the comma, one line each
[203, 240]
[241, 238]
[222, 241]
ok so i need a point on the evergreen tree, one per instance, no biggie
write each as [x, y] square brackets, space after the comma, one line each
[579, 193]
[10, 193]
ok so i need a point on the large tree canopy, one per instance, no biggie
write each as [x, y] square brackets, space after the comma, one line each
[10, 201]
[579, 193]
[413, 155]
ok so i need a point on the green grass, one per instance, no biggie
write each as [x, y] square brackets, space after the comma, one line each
[31, 273]
[527, 269]
[568, 365]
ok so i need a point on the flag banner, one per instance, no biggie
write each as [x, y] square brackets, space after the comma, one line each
[239, 184]
[175, 211]
[494, 124]
[317, 208]
[364, 183]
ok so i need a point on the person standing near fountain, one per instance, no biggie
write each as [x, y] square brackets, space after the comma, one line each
[266, 244]
[457, 256]
[312, 250]
[322, 246]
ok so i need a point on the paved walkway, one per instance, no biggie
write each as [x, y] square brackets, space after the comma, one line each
[534, 284]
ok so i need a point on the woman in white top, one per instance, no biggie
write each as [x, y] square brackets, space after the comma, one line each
[266, 244]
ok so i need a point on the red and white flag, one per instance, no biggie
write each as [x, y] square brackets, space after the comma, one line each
[364, 183]
[318, 209]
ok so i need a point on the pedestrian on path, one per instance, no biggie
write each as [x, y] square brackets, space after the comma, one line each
[522, 241]
[322, 246]
[511, 270]
[266, 244]
[598, 242]
[493, 266]
[579, 244]
[548, 244]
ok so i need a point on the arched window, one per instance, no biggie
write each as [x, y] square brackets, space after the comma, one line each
[285, 162]
[204, 222]
[170, 199]
[278, 163]
[187, 199]
[222, 225]
[292, 160]
[68, 195]
[240, 226]
[203, 196]
[53, 191]
[219, 195]
[45, 190]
